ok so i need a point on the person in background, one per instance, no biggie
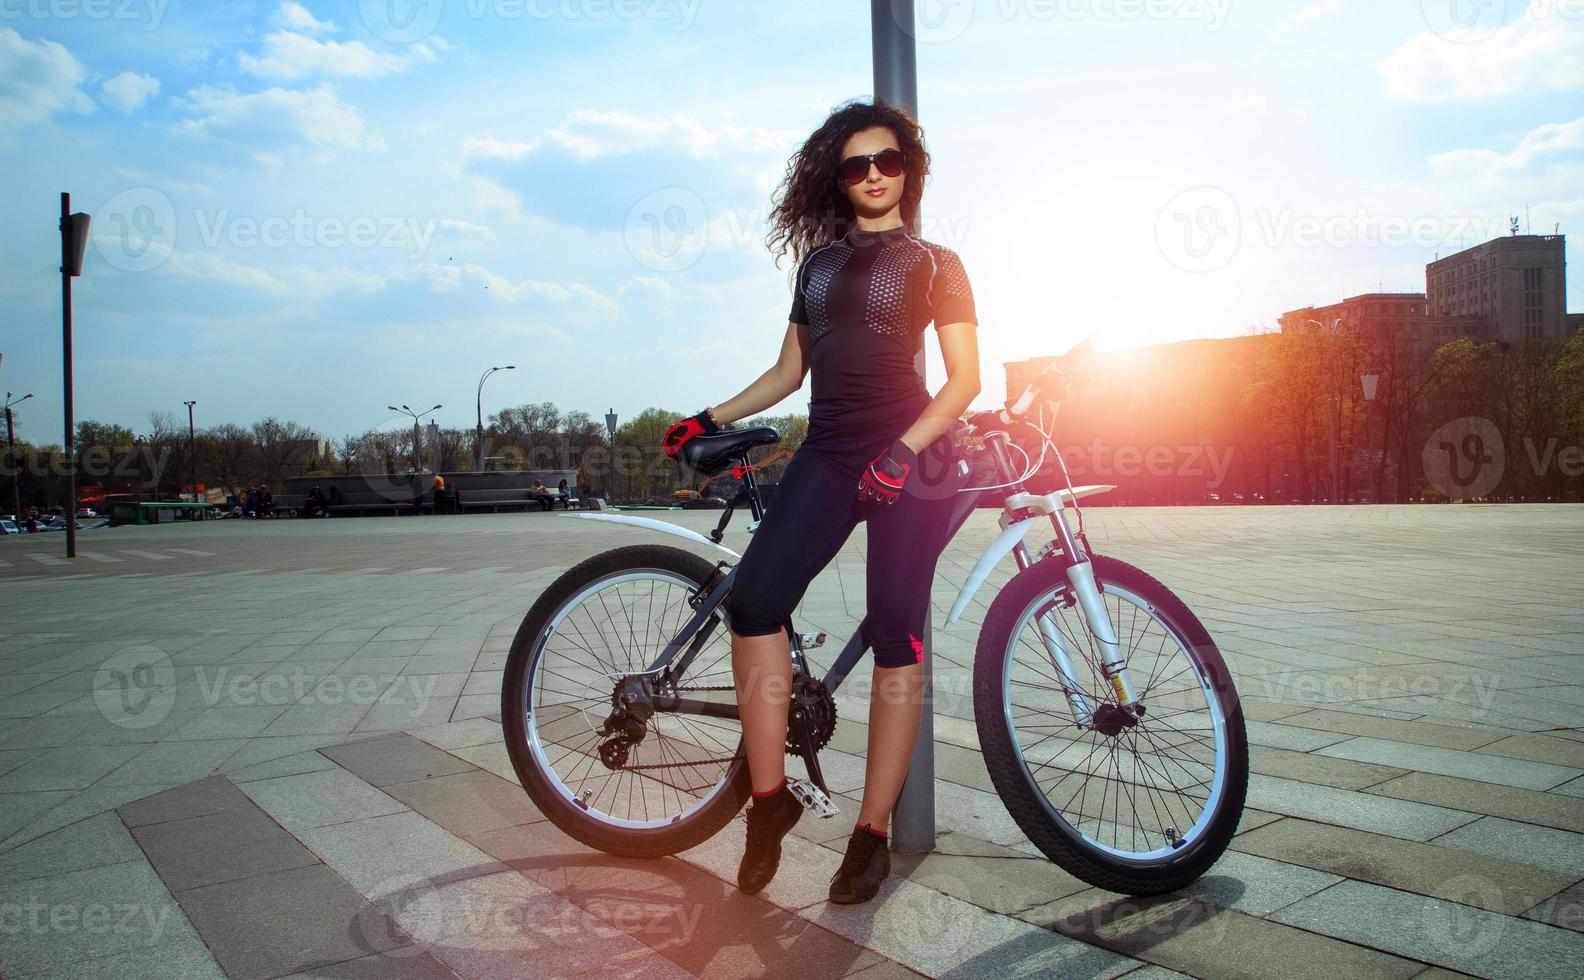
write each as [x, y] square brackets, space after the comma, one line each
[252, 506]
[439, 494]
[266, 501]
[541, 493]
[564, 494]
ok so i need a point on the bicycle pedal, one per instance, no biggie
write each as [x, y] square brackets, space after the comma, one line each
[809, 641]
[812, 797]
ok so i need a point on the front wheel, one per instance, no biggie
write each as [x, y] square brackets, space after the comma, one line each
[1140, 799]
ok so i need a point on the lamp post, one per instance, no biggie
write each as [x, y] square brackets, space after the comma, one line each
[74, 242]
[610, 476]
[1369, 381]
[417, 417]
[16, 475]
[192, 448]
[480, 454]
[1333, 420]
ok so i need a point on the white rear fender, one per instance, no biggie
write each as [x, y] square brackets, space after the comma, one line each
[1009, 537]
[663, 526]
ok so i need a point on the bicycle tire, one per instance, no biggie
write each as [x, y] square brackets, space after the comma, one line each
[679, 835]
[1020, 791]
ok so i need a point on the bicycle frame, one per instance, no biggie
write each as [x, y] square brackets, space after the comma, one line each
[1019, 516]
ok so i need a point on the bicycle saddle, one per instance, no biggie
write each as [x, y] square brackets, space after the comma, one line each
[709, 454]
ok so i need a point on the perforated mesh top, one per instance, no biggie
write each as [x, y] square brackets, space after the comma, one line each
[866, 298]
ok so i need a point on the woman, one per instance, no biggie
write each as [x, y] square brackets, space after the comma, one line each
[864, 291]
[564, 494]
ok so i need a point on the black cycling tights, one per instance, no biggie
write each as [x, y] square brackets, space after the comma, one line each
[811, 513]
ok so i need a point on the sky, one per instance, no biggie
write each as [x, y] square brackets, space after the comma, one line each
[315, 209]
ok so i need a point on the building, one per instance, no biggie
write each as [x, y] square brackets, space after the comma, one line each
[1368, 314]
[1575, 323]
[1517, 285]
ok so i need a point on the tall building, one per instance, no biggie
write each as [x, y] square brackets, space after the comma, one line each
[1517, 285]
[1368, 314]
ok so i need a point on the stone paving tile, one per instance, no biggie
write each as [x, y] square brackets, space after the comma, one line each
[182, 958]
[318, 799]
[268, 749]
[89, 843]
[467, 803]
[1319, 769]
[202, 797]
[403, 963]
[1564, 909]
[1447, 934]
[18, 809]
[83, 803]
[229, 721]
[1279, 736]
[290, 765]
[1527, 806]
[383, 856]
[175, 762]
[1398, 818]
[1537, 748]
[394, 759]
[459, 734]
[1255, 885]
[102, 911]
[286, 921]
[1447, 762]
[219, 847]
[1201, 940]
[491, 756]
[1506, 886]
[1415, 732]
[68, 767]
[1544, 847]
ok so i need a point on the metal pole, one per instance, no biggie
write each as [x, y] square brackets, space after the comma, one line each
[479, 455]
[16, 475]
[896, 82]
[192, 449]
[66, 352]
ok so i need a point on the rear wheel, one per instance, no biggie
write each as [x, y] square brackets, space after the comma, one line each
[1139, 803]
[589, 758]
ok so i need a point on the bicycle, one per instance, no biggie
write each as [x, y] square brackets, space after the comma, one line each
[620, 735]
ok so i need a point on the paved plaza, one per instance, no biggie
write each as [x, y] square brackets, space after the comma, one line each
[319, 788]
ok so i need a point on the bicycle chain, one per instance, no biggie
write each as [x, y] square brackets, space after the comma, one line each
[701, 762]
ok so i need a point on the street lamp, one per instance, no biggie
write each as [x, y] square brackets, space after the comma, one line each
[74, 243]
[480, 454]
[1370, 381]
[1333, 422]
[610, 427]
[16, 475]
[417, 433]
[192, 448]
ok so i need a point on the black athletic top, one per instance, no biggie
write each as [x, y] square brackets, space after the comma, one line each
[866, 298]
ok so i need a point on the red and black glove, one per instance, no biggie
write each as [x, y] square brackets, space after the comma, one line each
[683, 430]
[886, 474]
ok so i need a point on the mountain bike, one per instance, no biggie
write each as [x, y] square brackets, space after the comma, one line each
[1108, 721]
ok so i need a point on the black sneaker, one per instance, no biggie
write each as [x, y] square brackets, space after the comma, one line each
[865, 866]
[769, 819]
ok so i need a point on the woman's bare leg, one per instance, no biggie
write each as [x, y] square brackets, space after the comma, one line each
[762, 671]
[895, 707]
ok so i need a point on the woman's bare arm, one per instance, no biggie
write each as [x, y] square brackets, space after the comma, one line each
[959, 343]
[782, 379]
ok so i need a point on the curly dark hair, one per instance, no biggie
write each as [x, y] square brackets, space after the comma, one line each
[810, 209]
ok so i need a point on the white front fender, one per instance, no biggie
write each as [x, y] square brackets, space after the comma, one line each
[665, 527]
[998, 549]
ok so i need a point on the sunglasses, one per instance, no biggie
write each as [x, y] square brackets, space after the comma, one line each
[854, 170]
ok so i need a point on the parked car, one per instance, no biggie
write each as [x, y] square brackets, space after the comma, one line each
[8, 526]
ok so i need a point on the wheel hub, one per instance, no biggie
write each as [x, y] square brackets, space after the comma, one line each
[1111, 719]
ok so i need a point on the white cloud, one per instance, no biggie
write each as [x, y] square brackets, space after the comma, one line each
[288, 56]
[461, 228]
[591, 133]
[1309, 15]
[37, 80]
[294, 16]
[1538, 146]
[129, 90]
[259, 120]
[1542, 50]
